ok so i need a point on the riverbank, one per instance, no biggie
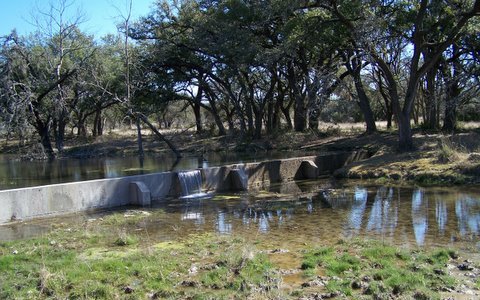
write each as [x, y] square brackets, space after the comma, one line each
[437, 160]
[115, 256]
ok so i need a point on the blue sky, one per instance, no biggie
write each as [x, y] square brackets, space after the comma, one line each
[100, 14]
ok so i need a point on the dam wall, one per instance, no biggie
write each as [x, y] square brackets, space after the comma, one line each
[49, 200]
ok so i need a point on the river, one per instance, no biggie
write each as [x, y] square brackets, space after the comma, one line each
[319, 211]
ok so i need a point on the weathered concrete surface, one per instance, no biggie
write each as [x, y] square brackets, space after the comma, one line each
[140, 194]
[261, 174]
[56, 199]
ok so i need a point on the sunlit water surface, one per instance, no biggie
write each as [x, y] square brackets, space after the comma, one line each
[299, 214]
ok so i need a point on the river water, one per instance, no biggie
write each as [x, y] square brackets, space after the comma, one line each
[306, 212]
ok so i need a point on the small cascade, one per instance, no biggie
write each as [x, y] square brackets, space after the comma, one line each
[191, 184]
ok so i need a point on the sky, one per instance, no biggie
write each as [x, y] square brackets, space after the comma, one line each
[101, 15]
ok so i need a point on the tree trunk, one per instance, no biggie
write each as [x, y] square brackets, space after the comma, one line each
[159, 135]
[213, 108]
[95, 129]
[405, 139]
[216, 117]
[258, 124]
[249, 112]
[353, 64]
[430, 101]
[389, 116]
[81, 128]
[450, 119]
[288, 118]
[139, 138]
[231, 124]
[270, 117]
[364, 104]
[299, 113]
[276, 117]
[60, 134]
[299, 110]
[44, 132]
[453, 92]
[388, 103]
[101, 124]
[198, 117]
[196, 109]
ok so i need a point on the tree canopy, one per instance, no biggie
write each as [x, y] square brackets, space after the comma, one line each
[251, 67]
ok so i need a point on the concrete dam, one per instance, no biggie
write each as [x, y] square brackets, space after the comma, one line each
[143, 190]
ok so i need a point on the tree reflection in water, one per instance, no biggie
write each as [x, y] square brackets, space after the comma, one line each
[416, 215]
[407, 216]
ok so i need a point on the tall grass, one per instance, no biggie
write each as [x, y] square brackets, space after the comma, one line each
[448, 151]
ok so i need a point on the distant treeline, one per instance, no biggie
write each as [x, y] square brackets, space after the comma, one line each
[249, 67]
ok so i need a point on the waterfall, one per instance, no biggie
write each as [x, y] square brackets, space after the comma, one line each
[191, 184]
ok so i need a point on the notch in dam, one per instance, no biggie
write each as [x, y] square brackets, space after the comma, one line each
[191, 184]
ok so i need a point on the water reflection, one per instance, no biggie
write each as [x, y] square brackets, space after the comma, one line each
[407, 216]
[359, 205]
[441, 213]
[467, 210]
[223, 226]
[384, 213]
[417, 216]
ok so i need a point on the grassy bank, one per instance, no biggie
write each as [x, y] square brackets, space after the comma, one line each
[113, 258]
[438, 160]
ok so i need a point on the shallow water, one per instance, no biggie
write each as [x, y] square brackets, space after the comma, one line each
[307, 213]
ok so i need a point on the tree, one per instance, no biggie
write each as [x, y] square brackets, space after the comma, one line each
[30, 86]
[410, 21]
[39, 71]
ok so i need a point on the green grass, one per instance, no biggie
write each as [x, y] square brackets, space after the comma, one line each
[314, 257]
[392, 271]
[96, 262]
